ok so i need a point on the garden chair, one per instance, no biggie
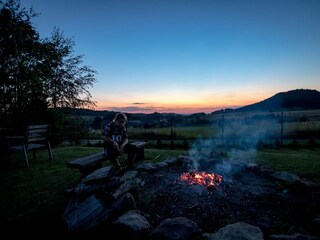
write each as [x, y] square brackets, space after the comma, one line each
[36, 137]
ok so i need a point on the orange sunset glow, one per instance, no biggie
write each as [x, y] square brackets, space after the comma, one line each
[181, 106]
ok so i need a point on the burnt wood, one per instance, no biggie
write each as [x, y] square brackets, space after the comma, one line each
[88, 164]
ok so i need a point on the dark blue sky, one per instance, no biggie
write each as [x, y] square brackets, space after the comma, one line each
[189, 56]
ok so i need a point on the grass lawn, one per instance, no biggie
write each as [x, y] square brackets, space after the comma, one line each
[34, 198]
[303, 162]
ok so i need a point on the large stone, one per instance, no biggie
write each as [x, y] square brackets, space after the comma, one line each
[131, 225]
[238, 231]
[176, 228]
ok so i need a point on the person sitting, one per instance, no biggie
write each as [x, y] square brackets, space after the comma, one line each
[115, 137]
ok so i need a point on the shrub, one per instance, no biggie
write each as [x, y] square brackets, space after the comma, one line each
[185, 144]
[172, 145]
[159, 144]
[294, 145]
[312, 143]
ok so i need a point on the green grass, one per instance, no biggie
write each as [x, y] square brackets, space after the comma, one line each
[151, 154]
[30, 195]
[303, 162]
[181, 132]
[34, 196]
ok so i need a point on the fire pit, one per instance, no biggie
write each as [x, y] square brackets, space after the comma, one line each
[217, 194]
[223, 195]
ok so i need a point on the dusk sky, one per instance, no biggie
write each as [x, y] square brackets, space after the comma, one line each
[188, 56]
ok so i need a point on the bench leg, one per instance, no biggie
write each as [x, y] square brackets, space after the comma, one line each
[26, 156]
[50, 152]
[140, 154]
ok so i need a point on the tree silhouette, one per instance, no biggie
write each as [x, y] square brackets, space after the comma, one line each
[20, 85]
[37, 74]
[68, 80]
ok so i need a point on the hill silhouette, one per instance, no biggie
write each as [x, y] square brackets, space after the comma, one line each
[299, 99]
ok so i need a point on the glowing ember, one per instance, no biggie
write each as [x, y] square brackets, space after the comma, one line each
[210, 180]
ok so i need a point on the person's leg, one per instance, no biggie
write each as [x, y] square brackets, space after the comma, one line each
[131, 156]
[112, 155]
[131, 159]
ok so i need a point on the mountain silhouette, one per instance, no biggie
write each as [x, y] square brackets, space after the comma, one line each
[299, 99]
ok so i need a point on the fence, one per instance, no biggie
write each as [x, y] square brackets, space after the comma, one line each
[244, 130]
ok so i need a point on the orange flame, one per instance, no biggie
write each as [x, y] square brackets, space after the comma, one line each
[202, 178]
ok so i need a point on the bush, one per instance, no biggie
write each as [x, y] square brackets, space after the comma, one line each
[294, 145]
[312, 144]
[172, 145]
[185, 144]
[277, 144]
[159, 144]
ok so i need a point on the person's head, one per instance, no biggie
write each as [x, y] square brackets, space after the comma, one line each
[120, 119]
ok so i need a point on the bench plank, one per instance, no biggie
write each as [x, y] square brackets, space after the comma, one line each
[137, 145]
[87, 160]
[90, 163]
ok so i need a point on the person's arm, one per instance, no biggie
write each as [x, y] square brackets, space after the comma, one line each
[109, 140]
[124, 141]
[105, 138]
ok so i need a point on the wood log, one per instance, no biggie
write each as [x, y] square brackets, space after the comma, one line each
[79, 214]
[124, 188]
[83, 189]
[125, 203]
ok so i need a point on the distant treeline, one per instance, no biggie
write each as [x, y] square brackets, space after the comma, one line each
[97, 119]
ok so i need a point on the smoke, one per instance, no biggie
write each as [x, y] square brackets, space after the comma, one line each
[200, 149]
[224, 168]
[249, 132]
[236, 141]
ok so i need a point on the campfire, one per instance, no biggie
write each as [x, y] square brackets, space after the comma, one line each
[209, 180]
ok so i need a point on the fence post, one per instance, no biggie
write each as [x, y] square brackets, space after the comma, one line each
[171, 127]
[171, 134]
[222, 130]
[281, 133]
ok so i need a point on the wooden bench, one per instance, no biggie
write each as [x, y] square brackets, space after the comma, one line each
[88, 164]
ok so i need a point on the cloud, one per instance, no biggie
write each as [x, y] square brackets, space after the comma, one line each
[143, 108]
[138, 103]
[130, 109]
